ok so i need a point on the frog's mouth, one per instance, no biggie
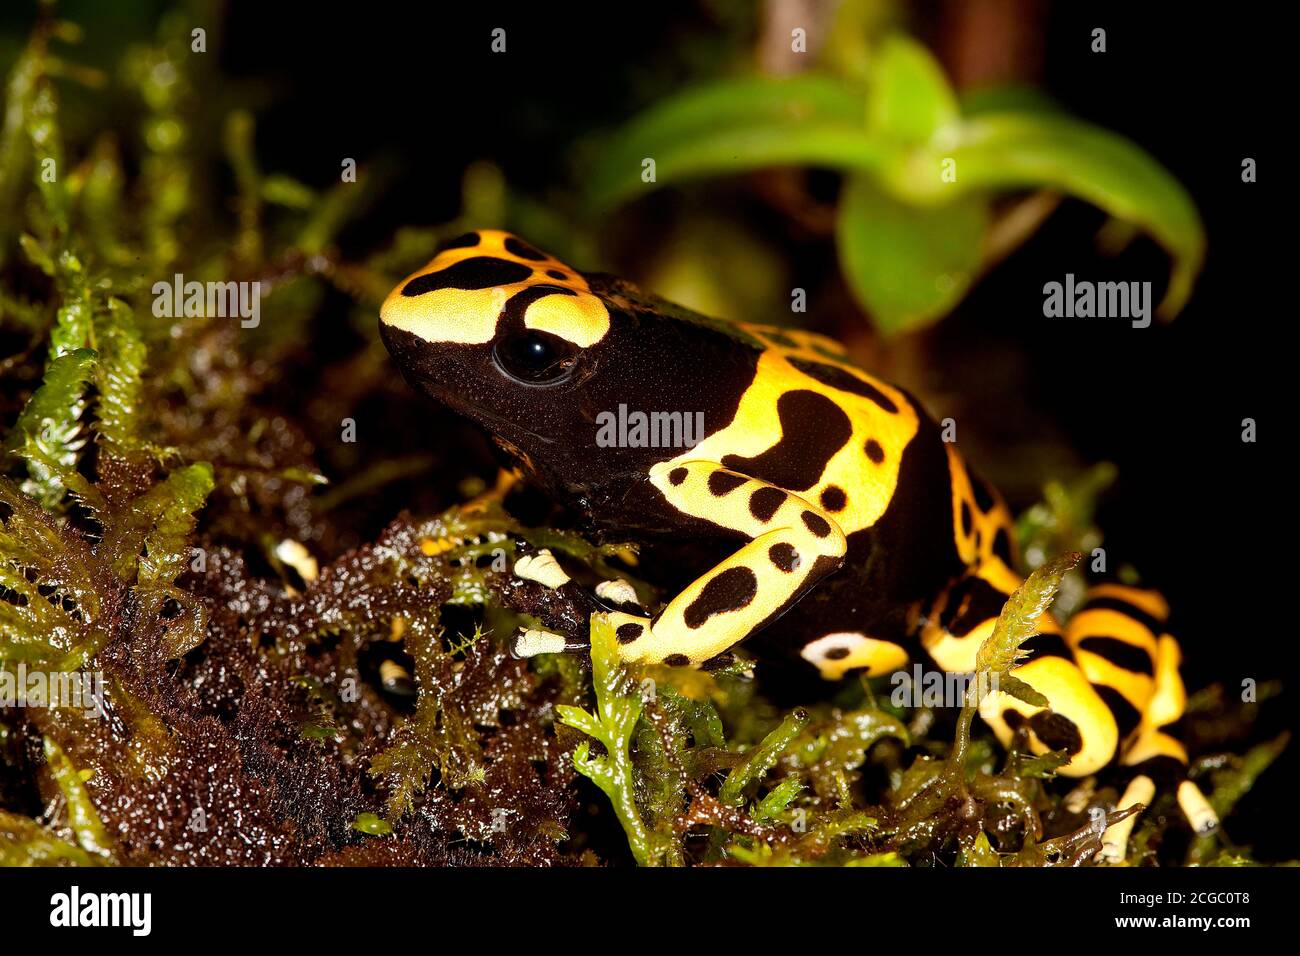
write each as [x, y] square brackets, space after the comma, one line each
[454, 376]
[430, 367]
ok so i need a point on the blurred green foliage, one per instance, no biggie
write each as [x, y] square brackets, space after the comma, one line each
[920, 173]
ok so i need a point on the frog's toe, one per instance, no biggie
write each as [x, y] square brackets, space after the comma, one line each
[529, 642]
[619, 595]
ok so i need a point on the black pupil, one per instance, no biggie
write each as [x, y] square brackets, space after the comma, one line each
[532, 357]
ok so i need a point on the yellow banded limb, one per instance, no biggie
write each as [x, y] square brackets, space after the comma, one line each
[792, 546]
[1152, 742]
[1087, 730]
[1077, 719]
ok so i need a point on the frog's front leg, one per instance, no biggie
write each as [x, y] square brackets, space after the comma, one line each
[792, 545]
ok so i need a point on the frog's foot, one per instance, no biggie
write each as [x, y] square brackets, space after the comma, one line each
[837, 652]
[562, 608]
[1157, 758]
[619, 595]
[1152, 775]
[542, 567]
[529, 642]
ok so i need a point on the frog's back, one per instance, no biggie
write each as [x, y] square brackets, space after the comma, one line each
[815, 425]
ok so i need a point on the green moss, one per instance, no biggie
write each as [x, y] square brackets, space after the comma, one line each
[612, 723]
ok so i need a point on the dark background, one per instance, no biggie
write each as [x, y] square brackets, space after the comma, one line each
[1205, 516]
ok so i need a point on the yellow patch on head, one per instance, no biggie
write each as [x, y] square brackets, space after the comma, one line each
[582, 319]
[468, 287]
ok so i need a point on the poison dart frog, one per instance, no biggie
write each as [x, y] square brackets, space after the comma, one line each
[843, 511]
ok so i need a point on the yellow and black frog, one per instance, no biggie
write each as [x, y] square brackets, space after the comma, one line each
[843, 511]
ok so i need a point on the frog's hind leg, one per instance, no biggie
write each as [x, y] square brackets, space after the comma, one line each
[1157, 760]
[1077, 719]
[1157, 763]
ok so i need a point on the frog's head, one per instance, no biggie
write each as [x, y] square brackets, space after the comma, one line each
[534, 351]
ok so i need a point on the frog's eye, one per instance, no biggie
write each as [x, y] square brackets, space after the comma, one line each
[535, 358]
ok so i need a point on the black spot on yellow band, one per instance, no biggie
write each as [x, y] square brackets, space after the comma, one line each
[813, 429]
[1002, 547]
[1120, 606]
[731, 590]
[815, 523]
[626, 633]
[764, 503]
[971, 602]
[722, 483]
[466, 241]
[523, 250]
[834, 498]
[1126, 715]
[1057, 731]
[784, 556]
[1046, 645]
[1130, 657]
[983, 494]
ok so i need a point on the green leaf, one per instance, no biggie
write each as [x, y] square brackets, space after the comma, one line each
[899, 133]
[1045, 765]
[909, 99]
[1040, 150]
[1010, 684]
[286, 191]
[149, 544]
[55, 407]
[889, 859]
[82, 815]
[907, 265]
[618, 708]
[736, 125]
[843, 742]
[1232, 783]
[149, 541]
[979, 853]
[24, 842]
[777, 799]
[49, 433]
[119, 379]
[762, 758]
[36, 253]
[371, 824]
